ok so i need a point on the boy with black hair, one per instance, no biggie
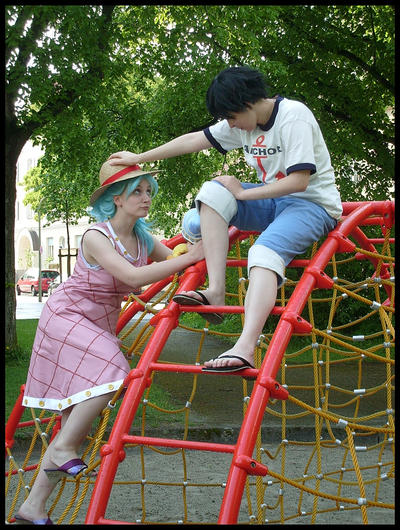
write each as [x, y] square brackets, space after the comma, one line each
[233, 90]
[295, 204]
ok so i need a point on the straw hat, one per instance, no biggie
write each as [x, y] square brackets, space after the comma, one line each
[110, 174]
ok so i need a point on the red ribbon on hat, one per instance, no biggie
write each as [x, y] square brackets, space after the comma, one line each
[121, 173]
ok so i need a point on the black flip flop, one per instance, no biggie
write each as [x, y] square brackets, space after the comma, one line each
[228, 369]
[184, 299]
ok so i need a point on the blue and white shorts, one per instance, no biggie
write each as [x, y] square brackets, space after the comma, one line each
[288, 225]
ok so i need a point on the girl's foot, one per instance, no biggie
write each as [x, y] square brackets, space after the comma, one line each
[212, 298]
[27, 514]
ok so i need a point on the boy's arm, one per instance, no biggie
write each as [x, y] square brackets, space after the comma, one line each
[294, 183]
[187, 143]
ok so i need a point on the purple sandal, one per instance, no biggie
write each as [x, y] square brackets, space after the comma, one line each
[70, 469]
[21, 520]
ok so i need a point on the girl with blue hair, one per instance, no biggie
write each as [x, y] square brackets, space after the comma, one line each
[76, 364]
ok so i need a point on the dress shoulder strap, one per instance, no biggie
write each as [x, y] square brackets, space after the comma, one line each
[101, 227]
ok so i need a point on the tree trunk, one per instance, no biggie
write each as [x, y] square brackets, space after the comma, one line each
[68, 245]
[15, 140]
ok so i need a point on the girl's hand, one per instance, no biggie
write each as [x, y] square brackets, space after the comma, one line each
[232, 184]
[124, 158]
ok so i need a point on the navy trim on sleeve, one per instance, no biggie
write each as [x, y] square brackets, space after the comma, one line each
[300, 167]
[213, 141]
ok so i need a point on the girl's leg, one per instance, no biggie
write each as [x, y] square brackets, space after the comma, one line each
[75, 425]
[34, 505]
[76, 428]
[256, 310]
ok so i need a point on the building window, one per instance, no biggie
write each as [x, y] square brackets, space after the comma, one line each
[29, 212]
[50, 247]
[78, 240]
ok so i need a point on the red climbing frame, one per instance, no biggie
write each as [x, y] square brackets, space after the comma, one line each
[265, 387]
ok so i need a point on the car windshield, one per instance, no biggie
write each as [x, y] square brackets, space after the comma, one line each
[49, 274]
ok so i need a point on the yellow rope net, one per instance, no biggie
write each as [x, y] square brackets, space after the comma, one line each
[329, 448]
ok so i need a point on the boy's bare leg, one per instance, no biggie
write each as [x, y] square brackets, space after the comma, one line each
[214, 231]
[259, 302]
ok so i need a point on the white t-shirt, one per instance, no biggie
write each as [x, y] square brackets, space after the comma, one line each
[290, 141]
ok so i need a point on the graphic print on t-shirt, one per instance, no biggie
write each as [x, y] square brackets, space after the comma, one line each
[259, 150]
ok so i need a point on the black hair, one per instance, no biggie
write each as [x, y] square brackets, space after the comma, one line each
[233, 89]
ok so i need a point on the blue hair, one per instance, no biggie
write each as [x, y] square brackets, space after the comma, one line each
[104, 207]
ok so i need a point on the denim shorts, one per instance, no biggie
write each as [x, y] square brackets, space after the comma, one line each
[288, 225]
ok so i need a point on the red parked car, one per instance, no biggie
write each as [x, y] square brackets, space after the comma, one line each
[29, 281]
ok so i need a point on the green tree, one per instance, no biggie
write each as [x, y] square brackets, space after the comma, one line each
[324, 55]
[54, 56]
[58, 197]
[89, 80]
[338, 59]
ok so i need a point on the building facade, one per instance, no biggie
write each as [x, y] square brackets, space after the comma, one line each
[53, 238]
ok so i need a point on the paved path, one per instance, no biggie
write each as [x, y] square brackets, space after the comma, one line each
[28, 306]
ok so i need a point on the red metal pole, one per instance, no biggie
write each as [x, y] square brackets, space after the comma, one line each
[137, 381]
[14, 419]
[259, 399]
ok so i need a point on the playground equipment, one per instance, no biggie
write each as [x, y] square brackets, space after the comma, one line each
[334, 327]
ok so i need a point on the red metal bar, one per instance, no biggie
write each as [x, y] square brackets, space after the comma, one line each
[30, 423]
[184, 444]
[193, 369]
[231, 309]
[14, 419]
[27, 468]
[349, 207]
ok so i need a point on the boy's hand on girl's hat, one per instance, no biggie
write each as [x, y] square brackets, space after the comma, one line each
[123, 158]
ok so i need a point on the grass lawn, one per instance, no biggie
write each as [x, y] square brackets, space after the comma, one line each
[17, 368]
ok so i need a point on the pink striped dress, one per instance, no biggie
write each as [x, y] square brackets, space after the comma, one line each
[76, 354]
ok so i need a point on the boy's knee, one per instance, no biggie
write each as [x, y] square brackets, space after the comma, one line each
[218, 198]
[260, 256]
